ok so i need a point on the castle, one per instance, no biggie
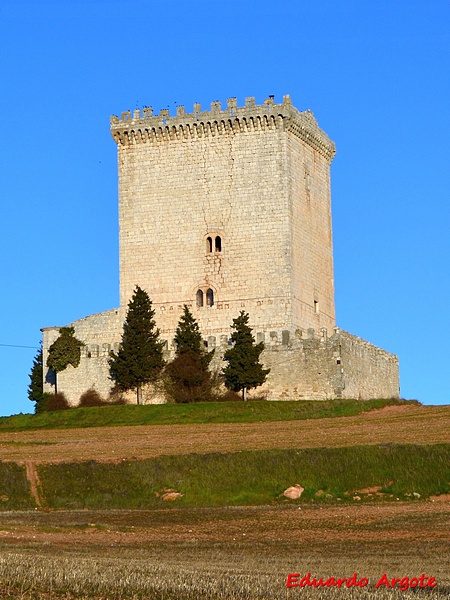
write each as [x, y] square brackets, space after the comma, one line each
[228, 210]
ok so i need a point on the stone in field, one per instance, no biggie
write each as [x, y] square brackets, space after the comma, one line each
[293, 492]
[171, 496]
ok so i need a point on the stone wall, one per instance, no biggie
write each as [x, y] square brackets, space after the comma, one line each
[100, 333]
[369, 371]
[318, 367]
[304, 365]
[312, 283]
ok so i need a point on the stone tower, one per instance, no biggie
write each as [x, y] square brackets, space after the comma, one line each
[227, 210]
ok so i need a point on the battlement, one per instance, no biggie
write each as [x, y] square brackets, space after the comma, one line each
[145, 127]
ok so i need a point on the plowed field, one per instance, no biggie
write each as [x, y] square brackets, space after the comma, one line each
[392, 424]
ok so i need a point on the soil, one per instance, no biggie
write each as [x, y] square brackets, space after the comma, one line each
[392, 424]
[33, 479]
[247, 545]
[403, 523]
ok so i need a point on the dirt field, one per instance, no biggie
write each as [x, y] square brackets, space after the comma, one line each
[392, 424]
[226, 553]
[311, 526]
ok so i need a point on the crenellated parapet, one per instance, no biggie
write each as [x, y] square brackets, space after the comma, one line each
[145, 127]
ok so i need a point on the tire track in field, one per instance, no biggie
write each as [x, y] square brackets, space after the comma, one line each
[34, 481]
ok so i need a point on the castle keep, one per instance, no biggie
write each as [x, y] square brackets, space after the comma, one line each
[228, 210]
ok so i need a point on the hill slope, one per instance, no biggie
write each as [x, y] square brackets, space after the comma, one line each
[400, 424]
[399, 451]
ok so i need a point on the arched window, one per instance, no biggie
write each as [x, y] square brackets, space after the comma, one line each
[209, 244]
[199, 298]
[209, 297]
[218, 244]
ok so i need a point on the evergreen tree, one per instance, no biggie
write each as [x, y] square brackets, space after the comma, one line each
[244, 371]
[189, 378]
[36, 387]
[140, 356]
[64, 351]
[188, 337]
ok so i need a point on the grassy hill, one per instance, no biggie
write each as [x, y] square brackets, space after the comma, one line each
[222, 475]
[204, 412]
[369, 477]
[252, 478]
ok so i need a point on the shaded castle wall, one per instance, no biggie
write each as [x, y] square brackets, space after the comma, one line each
[369, 371]
[312, 282]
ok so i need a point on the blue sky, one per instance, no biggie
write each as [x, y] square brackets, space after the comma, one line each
[375, 74]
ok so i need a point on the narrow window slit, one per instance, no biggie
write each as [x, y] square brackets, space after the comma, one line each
[199, 298]
[209, 297]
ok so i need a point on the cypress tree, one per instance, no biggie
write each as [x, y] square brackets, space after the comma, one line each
[189, 378]
[188, 337]
[244, 371]
[36, 385]
[140, 357]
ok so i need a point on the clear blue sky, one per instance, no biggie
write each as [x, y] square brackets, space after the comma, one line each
[376, 74]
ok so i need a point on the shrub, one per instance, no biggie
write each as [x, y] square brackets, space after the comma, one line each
[56, 402]
[228, 396]
[188, 380]
[91, 398]
[41, 406]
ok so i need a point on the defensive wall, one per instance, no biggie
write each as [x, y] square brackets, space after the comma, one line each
[305, 365]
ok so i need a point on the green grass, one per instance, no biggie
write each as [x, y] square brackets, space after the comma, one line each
[14, 488]
[250, 478]
[204, 412]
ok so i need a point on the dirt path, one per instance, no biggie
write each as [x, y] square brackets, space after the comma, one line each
[393, 424]
[33, 479]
